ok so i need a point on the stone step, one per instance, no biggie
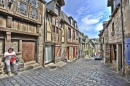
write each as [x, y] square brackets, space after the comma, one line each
[29, 63]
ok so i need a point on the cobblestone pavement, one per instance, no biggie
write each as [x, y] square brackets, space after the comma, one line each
[82, 72]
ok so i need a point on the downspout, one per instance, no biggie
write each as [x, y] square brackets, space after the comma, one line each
[44, 35]
[123, 47]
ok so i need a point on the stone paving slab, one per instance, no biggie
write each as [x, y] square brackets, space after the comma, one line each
[82, 72]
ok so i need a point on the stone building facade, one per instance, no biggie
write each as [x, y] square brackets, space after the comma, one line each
[113, 48]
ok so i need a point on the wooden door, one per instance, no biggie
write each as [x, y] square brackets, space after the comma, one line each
[28, 51]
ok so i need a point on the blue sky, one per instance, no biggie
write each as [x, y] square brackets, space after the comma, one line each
[89, 14]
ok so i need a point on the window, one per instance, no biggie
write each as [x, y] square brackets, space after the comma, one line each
[73, 34]
[69, 33]
[113, 26]
[22, 8]
[49, 18]
[57, 30]
[34, 3]
[53, 20]
[33, 13]
[61, 25]
[53, 29]
[2, 3]
[57, 23]
[113, 31]
[57, 11]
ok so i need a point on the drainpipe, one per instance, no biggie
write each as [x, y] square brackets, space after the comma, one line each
[44, 34]
[123, 47]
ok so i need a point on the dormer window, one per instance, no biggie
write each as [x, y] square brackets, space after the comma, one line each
[2, 3]
[57, 10]
[71, 21]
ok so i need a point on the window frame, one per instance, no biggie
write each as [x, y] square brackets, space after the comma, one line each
[69, 32]
[57, 9]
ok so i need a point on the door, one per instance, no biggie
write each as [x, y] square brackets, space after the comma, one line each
[28, 51]
[49, 54]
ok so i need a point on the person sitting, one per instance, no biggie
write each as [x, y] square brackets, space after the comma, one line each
[10, 57]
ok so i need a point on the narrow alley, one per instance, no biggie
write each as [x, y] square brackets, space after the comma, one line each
[82, 72]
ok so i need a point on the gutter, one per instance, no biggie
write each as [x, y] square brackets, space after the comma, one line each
[44, 35]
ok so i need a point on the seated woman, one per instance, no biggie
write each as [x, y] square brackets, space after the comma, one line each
[10, 57]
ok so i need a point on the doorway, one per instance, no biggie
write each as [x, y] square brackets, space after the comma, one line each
[49, 54]
[28, 51]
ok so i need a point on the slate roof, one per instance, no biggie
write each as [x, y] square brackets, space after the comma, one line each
[50, 5]
[65, 17]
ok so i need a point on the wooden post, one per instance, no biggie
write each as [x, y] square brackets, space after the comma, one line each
[8, 41]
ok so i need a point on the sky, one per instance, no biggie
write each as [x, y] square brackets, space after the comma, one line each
[89, 14]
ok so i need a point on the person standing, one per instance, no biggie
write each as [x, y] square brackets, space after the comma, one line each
[10, 57]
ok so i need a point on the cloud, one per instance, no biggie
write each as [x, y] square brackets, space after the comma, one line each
[91, 22]
[99, 27]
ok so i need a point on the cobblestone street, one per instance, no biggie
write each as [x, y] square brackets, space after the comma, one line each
[82, 72]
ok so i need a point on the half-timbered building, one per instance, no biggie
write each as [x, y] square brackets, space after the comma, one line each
[20, 23]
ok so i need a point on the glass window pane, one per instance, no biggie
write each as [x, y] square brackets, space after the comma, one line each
[33, 13]
[53, 20]
[57, 30]
[69, 33]
[22, 8]
[34, 3]
[53, 28]
[2, 3]
[57, 23]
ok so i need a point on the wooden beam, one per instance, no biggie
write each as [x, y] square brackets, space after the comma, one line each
[16, 31]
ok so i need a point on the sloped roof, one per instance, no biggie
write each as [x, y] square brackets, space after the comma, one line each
[95, 42]
[65, 17]
[50, 5]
